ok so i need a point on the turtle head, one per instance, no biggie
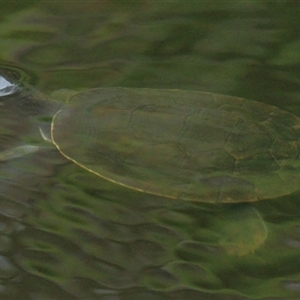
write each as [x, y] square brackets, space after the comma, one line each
[29, 107]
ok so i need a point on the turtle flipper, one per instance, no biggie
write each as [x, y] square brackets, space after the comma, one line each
[244, 231]
[17, 152]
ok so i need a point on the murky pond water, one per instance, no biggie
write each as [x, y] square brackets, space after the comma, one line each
[68, 234]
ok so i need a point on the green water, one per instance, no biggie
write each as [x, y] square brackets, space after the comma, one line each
[66, 234]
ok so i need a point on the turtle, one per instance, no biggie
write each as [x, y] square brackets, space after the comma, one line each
[184, 145]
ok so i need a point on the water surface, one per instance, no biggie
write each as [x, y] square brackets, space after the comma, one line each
[67, 234]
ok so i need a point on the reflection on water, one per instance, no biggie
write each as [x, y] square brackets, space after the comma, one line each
[75, 233]
[66, 234]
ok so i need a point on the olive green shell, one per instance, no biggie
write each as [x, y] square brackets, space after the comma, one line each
[182, 144]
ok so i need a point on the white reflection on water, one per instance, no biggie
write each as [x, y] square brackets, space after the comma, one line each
[7, 88]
